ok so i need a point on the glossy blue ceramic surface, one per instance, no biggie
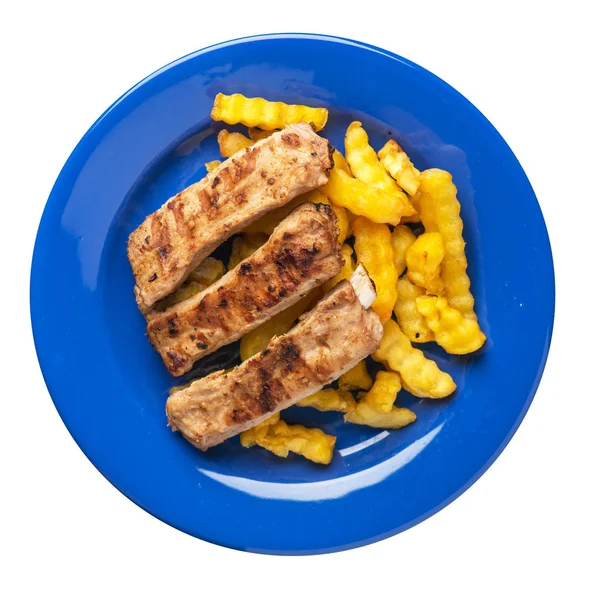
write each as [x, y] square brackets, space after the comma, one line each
[110, 387]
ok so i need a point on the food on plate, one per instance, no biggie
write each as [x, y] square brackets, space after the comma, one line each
[424, 258]
[439, 210]
[300, 254]
[340, 162]
[261, 113]
[410, 320]
[421, 376]
[280, 438]
[364, 414]
[256, 340]
[335, 335]
[257, 134]
[176, 238]
[206, 273]
[401, 239]
[212, 165]
[400, 168]
[365, 200]
[330, 399]
[357, 378]
[231, 143]
[347, 269]
[374, 250]
[455, 333]
[245, 244]
[377, 409]
[383, 393]
[366, 167]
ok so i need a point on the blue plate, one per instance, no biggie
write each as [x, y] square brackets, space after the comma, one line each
[110, 387]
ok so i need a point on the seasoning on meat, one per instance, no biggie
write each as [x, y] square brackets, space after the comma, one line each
[302, 253]
[328, 341]
[172, 241]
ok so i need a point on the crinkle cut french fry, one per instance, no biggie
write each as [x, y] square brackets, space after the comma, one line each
[383, 393]
[347, 270]
[374, 250]
[365, 165]
[377, 408]
[421, 376]
[212, 165]
[401, 238]
[330, 399]
[364, 200]
[340, 162]
[259, 134]
[257, 339]
[397, 163]
[357, 378]
[396, 418]
[280, 438]
[206, 273]
[231, 143]
[439, 210]
[424, 258]
[261, 113]
[410, 320]
[455, 333]
[243, 246]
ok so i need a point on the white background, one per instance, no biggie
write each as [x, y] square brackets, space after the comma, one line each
[523, 530]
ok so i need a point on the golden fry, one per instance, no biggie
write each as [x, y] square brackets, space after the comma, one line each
[340, 162]
[383, 393]
[401, 240]
[365, 200]
[397, 163]
[209, 271]
[424, 258]
[374, 250]
[357, 378]
[366, 415]
[280, 438]
[410, 320]
[261, 113]
[439, 210]
[259, 134]
[455, 333]
[330, 399]
[421, 376]
[364, 162]
[366, 167]
[213, 164]
[243, 246]
[347, 270]
[257, 339]
[231, 143]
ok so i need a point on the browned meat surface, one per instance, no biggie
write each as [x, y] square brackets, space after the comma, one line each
[172, 241]
[302, 252]
[329, 340]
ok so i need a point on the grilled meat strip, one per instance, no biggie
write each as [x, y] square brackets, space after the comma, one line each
[172, 241]
[329, 340]
[302, 253]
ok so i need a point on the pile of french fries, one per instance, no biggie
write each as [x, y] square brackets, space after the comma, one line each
[420, 274]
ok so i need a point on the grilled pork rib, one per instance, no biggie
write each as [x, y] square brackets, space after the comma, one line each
[335, 335]
[177, 237]
[302, 253]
